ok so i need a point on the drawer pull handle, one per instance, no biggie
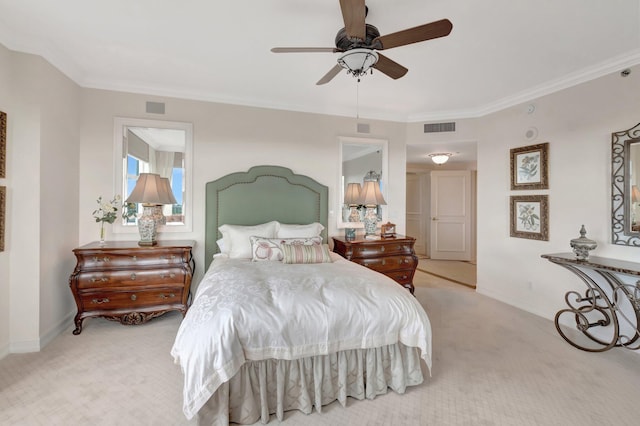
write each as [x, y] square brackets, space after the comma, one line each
[382, 248]
[98, 259]
[134, 297]
[134, 258]
[171, 275]
[133, 277]
[406, 261]
[384, 262]
[170, 296]
[102, 279]
[100, 301]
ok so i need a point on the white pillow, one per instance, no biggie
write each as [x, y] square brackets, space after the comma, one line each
[300, 231]
[221, 246]
[237, 240]
[270, 249]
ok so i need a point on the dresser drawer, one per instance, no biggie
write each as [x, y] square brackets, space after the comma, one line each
[130, 278]
[130, 300]
[402, 277]
[115, 259]
[388, 263]
[365, 251]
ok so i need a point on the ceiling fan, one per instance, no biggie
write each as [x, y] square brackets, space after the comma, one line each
[359, 43]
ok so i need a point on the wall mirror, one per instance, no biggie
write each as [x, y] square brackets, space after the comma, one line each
[358, 157]
[154, 146]
[625, 187]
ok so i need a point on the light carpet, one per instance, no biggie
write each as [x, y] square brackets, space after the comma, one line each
[492, 365]
[453, 270]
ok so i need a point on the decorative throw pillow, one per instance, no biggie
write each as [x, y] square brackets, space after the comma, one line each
[271, 248]
[318, 253]
[299, 231]
[237, 242]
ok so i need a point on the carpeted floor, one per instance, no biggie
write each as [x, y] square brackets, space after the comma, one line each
[453, 270]
[492, 365]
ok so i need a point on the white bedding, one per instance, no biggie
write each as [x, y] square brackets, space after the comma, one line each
[247, 310]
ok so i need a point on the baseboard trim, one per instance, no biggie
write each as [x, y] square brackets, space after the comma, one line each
[58, 329]
[37, 345]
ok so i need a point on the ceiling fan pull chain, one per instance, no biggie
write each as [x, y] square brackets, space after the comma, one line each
[358, 99]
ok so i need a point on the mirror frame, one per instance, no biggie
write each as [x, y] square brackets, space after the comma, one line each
[119, 128]
[384, 144]
[620, 187]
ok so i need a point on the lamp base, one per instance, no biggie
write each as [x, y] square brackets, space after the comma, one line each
[370, 221]
[349, 233]
[147, 224]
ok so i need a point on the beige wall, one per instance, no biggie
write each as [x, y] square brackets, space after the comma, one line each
[42, 188]
[6, 105]
[227, 139]
[577, 123]
[60, 160]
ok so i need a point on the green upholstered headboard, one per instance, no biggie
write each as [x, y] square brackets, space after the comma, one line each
[262, 194]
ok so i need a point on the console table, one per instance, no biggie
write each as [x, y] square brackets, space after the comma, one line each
[608, 312]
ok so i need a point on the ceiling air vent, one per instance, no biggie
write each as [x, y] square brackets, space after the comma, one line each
[440, 127]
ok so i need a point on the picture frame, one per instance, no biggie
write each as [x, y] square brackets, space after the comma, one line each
[3, 197]
[388, 230]
[3, 144]
[530, 217]
[529, 167]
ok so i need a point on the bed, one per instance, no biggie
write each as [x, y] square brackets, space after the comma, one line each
[299, 329]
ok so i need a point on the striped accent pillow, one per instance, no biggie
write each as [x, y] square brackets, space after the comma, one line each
[318, 253]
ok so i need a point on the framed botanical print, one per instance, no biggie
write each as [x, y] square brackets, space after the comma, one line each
[530, 217]
[529, 167]
[3, 144]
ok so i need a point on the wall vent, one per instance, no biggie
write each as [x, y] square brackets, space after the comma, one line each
[155, 107]
[363, 128]
[440, 127]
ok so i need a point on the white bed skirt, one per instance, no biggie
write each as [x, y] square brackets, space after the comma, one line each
[262, 388]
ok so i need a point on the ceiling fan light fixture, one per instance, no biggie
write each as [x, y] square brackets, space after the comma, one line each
[440, 157]
[358, 61]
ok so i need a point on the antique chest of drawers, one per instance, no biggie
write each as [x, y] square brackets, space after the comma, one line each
[394, 257]
[124, 282]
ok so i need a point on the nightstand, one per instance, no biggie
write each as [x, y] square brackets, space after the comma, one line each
[122, 281]
[394, 257]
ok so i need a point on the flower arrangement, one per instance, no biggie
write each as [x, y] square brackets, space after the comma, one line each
[106, 212]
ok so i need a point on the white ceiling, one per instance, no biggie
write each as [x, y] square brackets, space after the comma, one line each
[500, 52]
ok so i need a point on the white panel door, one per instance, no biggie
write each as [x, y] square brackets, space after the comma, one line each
[415, 216]
[450, 215]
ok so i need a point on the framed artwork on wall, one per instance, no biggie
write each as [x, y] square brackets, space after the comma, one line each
[3, 144]
[529, 167]
[530, 217]
[3, 196]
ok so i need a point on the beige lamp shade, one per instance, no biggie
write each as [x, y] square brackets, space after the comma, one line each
[352, 195]
[371, 195]
[151, 189]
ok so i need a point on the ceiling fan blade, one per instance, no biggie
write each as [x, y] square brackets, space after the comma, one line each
[389, 67]
[353, 14]
[304, 49]
[417, 34]
[329, 76]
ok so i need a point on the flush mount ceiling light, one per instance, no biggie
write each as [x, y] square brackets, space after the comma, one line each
[440, 157]
[358, 61]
